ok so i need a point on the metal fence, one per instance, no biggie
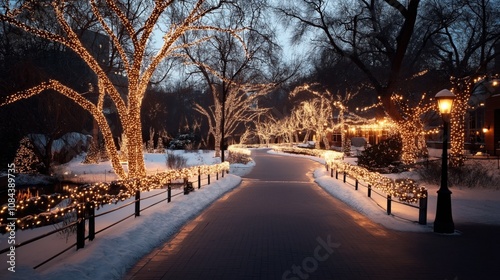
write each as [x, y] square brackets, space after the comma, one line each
[350, 180]
[88, 217]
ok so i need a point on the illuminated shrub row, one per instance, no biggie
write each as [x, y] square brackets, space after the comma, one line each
[239, 154]
[98, 194]
[406, 190]
[327, 155]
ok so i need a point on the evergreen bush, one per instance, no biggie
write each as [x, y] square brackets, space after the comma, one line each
[383, 155]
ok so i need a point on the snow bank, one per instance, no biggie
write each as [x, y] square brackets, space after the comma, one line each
[116, 250]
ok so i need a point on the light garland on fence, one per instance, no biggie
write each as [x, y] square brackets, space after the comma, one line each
[406, 190]
[98, 194]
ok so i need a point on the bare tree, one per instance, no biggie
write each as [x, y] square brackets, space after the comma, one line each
[266, 129]
[468, 32]
[314, 115]
[137, 64]
[236, 71]
[338, 101]
[374, 35]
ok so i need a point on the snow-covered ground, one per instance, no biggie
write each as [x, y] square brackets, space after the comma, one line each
[78, 172]
[117, 249]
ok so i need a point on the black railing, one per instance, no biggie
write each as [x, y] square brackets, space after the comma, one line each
[89, 216]
[422, 208]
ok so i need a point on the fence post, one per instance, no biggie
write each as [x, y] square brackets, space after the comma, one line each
[188, 186]
[389, 200]
[331, 172]
[199, 180]
[356, 185]
[369, 190]
[222, 173]
[137, 203]
[336, 174]
[422, 210]
[208, 177]
[80, 229]
[91, 218]
[326, 166]
[169, 193]
[217, 175]
[345, 175]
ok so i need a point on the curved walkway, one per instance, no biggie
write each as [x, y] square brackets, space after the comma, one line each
[280, 225]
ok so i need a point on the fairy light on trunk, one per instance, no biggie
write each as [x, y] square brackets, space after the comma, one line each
[138, 66]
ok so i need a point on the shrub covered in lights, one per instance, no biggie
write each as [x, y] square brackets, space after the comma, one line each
[382, 155]
[405, 190]
[26, 160]
[239, 154]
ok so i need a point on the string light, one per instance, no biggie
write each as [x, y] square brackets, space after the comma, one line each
[26, 161]
[137, 65]
[411, 127]
[463, 89]
[406, 190]
[93, 154]
[239, 154]
[98, 194]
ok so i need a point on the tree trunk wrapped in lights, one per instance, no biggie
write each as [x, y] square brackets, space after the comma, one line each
[324, 117]
[410, 127]
[410, 131]
[462, 88]
[130, 36]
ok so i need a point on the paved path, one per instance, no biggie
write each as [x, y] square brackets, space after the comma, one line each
[280, 225]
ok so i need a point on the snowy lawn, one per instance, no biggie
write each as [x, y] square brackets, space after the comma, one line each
[117, 249]
[76, 171]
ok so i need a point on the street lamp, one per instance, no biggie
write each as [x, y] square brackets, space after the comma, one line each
[444, 220]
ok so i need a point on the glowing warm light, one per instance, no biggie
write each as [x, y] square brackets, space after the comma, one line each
[463, 89]
[445, 101]
[406, 190]
[137, 62]
[98, 194]
[410, 127]
[323, 110]
[26, 160]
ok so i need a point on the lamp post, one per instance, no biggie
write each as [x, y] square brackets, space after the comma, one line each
[444, 220]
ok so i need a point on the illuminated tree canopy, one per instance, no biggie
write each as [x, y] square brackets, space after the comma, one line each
[131, 27]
